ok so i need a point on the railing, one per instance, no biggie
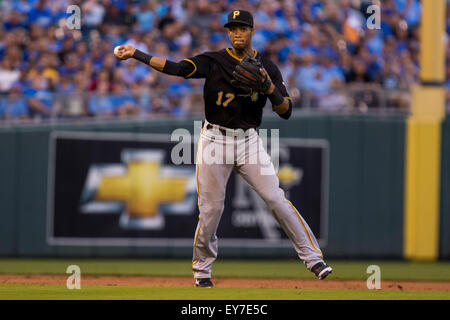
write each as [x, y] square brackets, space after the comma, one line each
[63, 108]
[354, 98]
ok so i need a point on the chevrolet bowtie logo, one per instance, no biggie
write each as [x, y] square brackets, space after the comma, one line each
[138, 189]
[142, 188]
[289, 176]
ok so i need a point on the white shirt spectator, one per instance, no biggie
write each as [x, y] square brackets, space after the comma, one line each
[184, 39]
[141, 46]
[7, 78]
[178, 11]
[93, 13]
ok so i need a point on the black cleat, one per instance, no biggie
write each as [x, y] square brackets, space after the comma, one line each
[204, 283]
[321, 270]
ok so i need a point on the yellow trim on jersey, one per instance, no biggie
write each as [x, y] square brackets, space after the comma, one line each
[234, 56]
[304, 227]
[195, 67]
[289, 98]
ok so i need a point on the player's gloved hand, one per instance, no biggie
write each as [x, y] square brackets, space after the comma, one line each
[249, 74]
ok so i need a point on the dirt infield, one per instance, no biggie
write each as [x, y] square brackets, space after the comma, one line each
[91, 280]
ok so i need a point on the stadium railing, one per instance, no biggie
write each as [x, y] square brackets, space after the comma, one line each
[80, 107]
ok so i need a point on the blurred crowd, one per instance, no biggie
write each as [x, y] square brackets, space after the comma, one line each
[328, 56]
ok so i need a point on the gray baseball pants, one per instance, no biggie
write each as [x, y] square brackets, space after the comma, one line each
[217, 156]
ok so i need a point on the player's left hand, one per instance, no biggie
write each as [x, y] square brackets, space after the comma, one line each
[250, 73]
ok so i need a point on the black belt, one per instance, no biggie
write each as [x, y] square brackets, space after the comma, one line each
[221, 130]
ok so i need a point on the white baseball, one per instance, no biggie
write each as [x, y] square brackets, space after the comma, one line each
[116, 52]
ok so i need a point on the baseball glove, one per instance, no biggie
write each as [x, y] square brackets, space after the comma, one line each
[247, 75]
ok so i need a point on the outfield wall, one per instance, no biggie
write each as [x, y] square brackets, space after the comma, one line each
[444, 239]
[366, 182]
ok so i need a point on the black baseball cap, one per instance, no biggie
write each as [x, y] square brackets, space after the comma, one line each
[239, 17]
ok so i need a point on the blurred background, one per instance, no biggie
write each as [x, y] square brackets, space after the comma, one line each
[371, 173]
[329, 59]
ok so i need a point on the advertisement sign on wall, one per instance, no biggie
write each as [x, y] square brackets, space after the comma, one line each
[124, 189]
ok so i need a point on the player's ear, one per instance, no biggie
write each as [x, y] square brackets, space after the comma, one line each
[253, 31]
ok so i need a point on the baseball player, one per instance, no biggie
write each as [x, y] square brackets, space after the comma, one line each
[238, 83]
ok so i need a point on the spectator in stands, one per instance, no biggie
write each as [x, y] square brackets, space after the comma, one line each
[93, 13]
[123, 101]
[298, 35]
[306, 72]
[75, 102]
[40, 14]
[131, 71]
[359, 72]
[159, 105]
[102, 76]
[146, 16]
[100, 103]
[8, 75]
[39, 98]
[14, 20]
[14, 105]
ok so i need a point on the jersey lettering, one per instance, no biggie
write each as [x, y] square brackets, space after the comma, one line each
[229, 97]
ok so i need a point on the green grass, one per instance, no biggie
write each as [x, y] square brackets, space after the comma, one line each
[58, 292]
[343, 270]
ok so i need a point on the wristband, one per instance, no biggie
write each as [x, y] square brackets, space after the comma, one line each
[142, 57]
[275, 97]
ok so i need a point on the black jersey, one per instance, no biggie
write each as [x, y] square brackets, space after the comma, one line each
[226, 105]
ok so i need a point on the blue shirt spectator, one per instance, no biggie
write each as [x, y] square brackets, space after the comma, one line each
[15, 20]
[124, 103]
[179, 88]
[375, 43]
[146, 20]
[413, 13]
[3, 107]
[401, 5]
[44, 96]
[23, 6]
[39, 98]
[40, 14]
[261, 16]
[119, 100]
[101, 104]
[259, 40]
[333, 73]
[387, 29]
[305, 76]
[13, 107]
[93, 13]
